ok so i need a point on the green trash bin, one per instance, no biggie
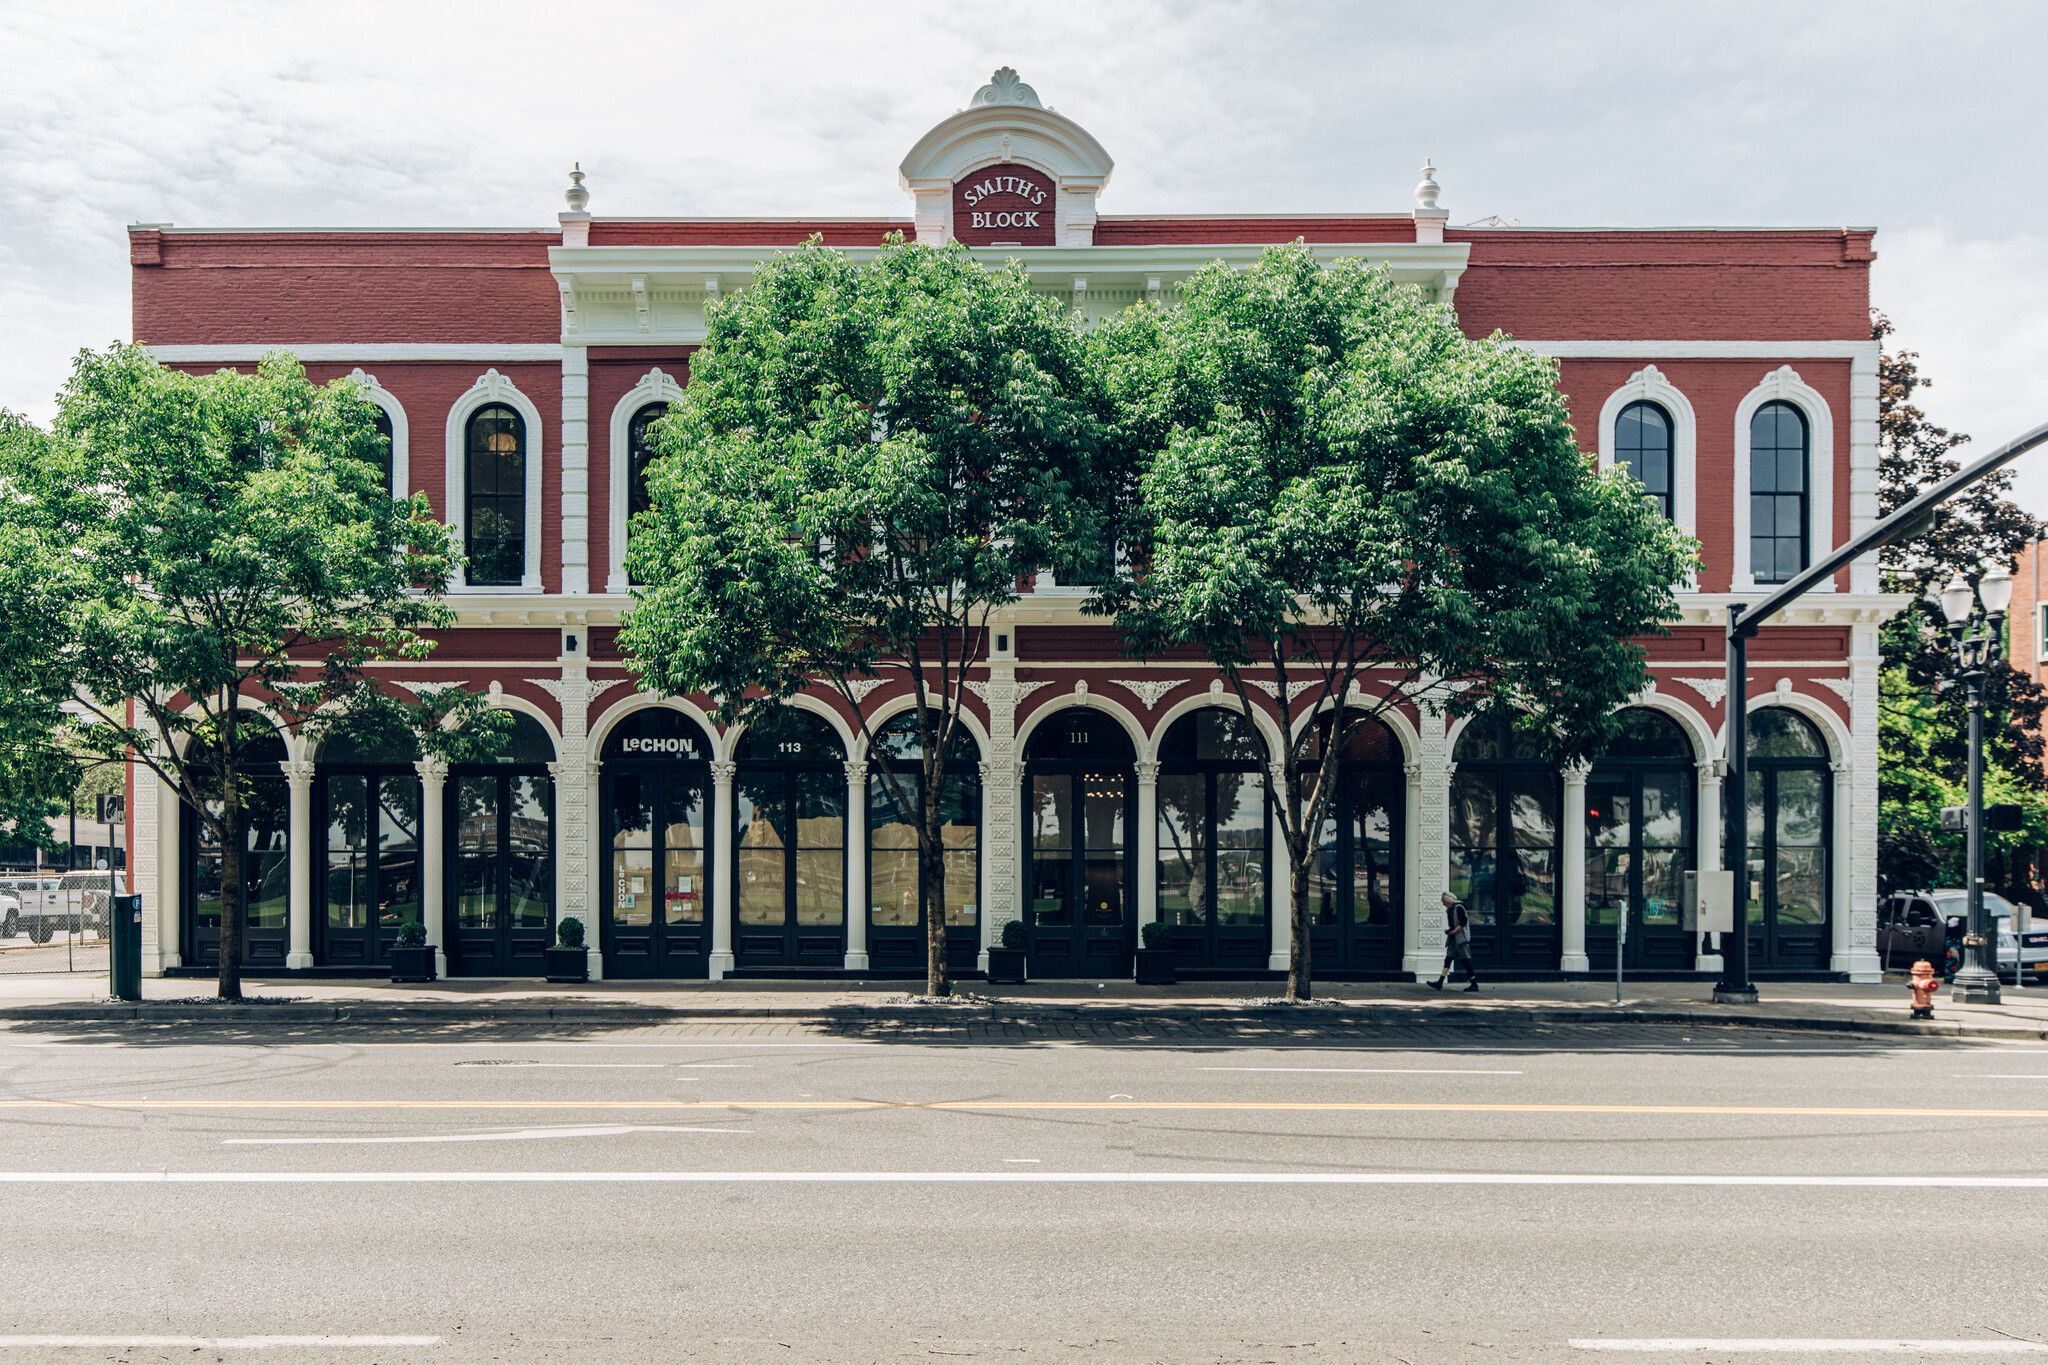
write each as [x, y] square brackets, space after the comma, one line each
[124, 933]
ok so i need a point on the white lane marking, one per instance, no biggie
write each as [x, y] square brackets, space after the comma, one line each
[1006, 1177]
[1362, 1070]
[517, 1135]
[1816, 1345]
[1026, 1160]
[216, 1343]
[1995, 1076]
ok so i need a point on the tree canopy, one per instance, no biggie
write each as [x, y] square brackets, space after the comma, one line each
[208, 548]
[868, 458]
[1325, 478]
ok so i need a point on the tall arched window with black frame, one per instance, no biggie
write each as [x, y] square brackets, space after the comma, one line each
[1779, 480]
[494, 510]
[1643, 445]
[640, 454]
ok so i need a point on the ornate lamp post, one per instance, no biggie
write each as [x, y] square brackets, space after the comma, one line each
[1976, 981]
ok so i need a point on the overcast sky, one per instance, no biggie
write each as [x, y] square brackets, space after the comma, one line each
[1921, 120]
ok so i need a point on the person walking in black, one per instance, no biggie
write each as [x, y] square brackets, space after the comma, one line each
[1457, 944]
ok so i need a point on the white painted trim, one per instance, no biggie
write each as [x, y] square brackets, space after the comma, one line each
[364, 352]
[647, 701]
[508, 701]
[1704, 350]
[1863, 461]
[1269, 733]
[1651, 385]
[401, 432]
[654, 387]
[730, 747]
[896, 706]
[492, 387]
[1783, 385]
[574, 445]
[1055, 702]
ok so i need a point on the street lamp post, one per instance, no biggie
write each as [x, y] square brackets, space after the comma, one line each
[1976, 981]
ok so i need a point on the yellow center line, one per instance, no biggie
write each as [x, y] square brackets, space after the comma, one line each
[1303, 1106]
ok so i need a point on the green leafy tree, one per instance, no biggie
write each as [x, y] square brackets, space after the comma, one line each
[1924, 722]
[1327, 479]
[206, 545]
[866, 461]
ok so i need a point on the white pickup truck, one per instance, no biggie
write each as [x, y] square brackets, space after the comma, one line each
[46, 906]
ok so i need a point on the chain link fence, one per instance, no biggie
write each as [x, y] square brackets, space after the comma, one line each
[54, 923]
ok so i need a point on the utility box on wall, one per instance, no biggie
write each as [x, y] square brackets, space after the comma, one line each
[1710, 902]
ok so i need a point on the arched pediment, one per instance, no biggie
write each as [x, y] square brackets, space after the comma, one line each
[1006, 126]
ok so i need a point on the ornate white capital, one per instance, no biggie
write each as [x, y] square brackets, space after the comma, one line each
[433, 772]
[856, 771]
[1148, 772]
[299, 773]
[722, 770]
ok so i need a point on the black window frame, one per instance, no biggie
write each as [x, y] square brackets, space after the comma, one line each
[511, 547]
[1775, 498]
[1631, 456]
[638, 457]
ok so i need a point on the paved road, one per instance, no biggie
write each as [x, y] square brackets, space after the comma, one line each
[794, 1194]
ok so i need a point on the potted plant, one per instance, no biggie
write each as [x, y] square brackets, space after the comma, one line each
[1155, 959]
[1007, 962]
[411, 958]
[567, 960]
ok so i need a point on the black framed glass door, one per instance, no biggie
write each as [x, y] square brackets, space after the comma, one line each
[895, 897]
[504, 875]
[1079, 782]
[789, 845]
[266, 866]
[370, 874]
[1357, 891]
[1790, 813]
[1505, 857]
[1215, 873]
[1639, 845]
[656, 803]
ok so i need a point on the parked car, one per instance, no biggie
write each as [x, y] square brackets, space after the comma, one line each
[1930, 924]
[73, 903]
[10, 914]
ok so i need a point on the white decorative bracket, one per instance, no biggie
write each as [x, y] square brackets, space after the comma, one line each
[1713, 689]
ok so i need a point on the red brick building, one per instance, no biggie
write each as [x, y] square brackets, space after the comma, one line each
[1732, 368]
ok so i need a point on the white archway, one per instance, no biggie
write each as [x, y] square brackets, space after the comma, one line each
[1057, 702]
[800, 702]
[654, 387]
[1269, 732]
[1651, 385]
[401, 431]
[902, 702]
[649, 701]
[493, 387]
[1783, 385]
[1404, 729]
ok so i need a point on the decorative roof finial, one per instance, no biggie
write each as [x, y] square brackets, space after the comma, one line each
[1005, 88]
[1428, 190]
[578, 197]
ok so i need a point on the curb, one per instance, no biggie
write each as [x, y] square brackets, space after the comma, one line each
[1117, 1012]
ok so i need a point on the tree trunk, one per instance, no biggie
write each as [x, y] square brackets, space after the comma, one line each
[931, 869]
[1298, 973]
[232, 891]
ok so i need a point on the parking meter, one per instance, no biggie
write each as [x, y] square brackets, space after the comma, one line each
[124, 935]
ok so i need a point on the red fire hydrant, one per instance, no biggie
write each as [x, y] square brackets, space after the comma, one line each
[1924, 983]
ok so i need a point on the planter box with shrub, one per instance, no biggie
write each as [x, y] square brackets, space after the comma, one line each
[1154, 964]
[411, 958]
[1007, 962]
[568, 960]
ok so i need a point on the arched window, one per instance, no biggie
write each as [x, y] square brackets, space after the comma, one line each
[789, 843]
[639, 455]
[1213, 851]
[895, 880]
[1790, 813]
[657, 802]
[1639, 843]
[494, 514]
[1081, 790]
[1643, 444]
[1505, 855]
[266, 859]
[1356, 889]
[1778, 484]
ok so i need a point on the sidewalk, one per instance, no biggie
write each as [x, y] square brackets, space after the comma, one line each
[1806, 1006]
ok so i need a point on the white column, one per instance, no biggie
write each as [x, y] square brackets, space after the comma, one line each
[1855, 851]
[434, 857]
[593, 772]
[153, 869]
[574, 808]
[722, 815]
[1708, 847]
[298, 773]
[1281, 918]
[1003, 868]
[856, 867]
[1574, 909]
[1425, 946]
[1148, 844]
[576, 475]
[1413, 892]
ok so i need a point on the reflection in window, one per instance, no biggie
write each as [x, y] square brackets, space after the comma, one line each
[495, 507]
[1778, 493]
[640, 454]
[1642, 443]
[894, 876]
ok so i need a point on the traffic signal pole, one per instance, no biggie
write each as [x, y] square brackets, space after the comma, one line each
[1906, 523]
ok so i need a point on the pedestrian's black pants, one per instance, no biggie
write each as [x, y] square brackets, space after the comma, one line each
[1470, 974]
